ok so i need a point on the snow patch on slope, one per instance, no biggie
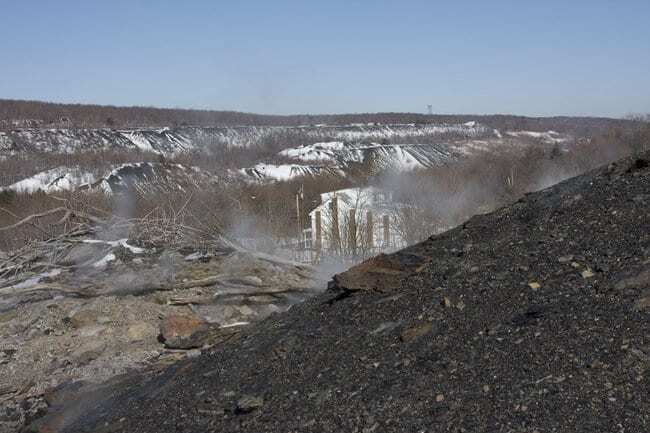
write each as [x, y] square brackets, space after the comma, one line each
[141, 177]
[282, 172]
[56, 179]
[316, 152]
[100, 264]
[118, 243]
[377, 132]
[551, 137]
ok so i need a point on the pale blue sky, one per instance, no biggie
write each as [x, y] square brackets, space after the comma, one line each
[550, 57]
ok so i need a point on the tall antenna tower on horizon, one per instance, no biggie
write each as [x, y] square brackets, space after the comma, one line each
[430, 109]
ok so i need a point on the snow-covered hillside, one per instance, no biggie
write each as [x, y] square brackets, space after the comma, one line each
[396, 155]
[56, 179]
[344, 157]
[550, 137]
[169, 141]
[142, 178]
[339, 159]
[163, 141]
[147, 177]
[308, 150]
[280, 172]
[379, 132]
[317, 152]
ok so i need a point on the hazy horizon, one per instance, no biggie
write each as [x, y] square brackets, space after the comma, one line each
[316, 114]
[586, 58]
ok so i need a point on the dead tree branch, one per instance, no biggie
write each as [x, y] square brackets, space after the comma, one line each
[67, 215]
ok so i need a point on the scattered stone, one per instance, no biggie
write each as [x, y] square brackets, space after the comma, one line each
[416, 331]
[81, 318]
[385, 327]
[639, 281]
[248, 404]
[587, 273]
[530, 316]
[92, 331]
[572, 200]
[371, 428]
[7, 316]
[183, 331]
[382, 273]
[84, 353]
[193, 353]
[245, 310]
[642, 304]
[88, 356]
[140, 331]
[252, 280]
[104, 320]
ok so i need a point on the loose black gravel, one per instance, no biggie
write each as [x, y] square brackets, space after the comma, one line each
[514, 324]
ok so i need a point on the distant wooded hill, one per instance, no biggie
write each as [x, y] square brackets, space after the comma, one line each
[37, 114]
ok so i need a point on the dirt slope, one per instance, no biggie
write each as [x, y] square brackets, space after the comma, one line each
[91, 304]
[535, 318]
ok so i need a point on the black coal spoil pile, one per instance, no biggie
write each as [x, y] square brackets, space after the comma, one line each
[535, 318]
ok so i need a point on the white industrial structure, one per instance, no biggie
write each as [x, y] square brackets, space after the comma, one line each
[353, 222]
